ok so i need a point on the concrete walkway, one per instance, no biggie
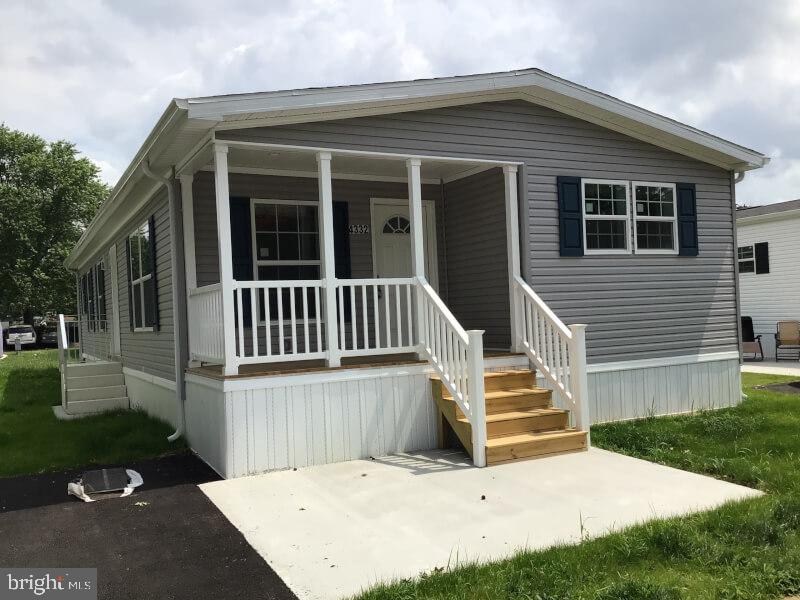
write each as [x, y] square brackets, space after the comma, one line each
[331, 530]
[783, 367]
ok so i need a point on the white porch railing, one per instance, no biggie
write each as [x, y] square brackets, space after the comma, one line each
[457, 357]
[67, 333]
[557, 351]
[278, 320]
[380, 314]
[205, 324]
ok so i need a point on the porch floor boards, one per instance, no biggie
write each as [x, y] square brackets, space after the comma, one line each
[309, 366]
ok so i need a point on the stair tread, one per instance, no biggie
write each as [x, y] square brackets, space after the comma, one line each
[514, 392]
[493, 374]
[521, 438]
[510, 415]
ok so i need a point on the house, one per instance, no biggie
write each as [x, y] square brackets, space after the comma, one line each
[768, 253]
[316, 275]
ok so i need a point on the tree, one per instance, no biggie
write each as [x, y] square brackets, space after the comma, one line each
[48, 195]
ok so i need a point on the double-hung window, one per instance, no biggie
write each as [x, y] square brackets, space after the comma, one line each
[142, 289]
[747, 259]
[286, 247]
[606, 216]
[655, 221]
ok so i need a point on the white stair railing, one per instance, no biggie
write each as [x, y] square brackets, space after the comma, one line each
[457, 357]
[67, 337]
[205, 323]
[557, 351]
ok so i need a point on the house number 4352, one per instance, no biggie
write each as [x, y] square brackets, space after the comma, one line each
[358, 229]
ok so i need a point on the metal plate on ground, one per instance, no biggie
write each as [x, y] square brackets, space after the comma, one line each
[105, 480]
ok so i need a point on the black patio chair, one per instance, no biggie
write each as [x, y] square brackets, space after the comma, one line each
[751, 343]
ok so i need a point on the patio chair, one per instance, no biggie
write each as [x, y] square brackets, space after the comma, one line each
[751, 343]
[787, 340]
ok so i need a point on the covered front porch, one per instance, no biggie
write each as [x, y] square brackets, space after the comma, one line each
[324, 255]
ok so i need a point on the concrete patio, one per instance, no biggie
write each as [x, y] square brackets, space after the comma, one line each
[332, 530]
[772, 367]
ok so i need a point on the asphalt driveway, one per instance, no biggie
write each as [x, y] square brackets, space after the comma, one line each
[164, 541]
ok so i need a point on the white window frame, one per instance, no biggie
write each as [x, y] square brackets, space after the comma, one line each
[610, 251]
[282, 263]
[752, 259]
[674, 218]
[142, 229]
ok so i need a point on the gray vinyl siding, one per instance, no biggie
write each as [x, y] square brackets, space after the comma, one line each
[477, 258]
[150, 352]
[636, 306]
[356, 193]
[97, 343]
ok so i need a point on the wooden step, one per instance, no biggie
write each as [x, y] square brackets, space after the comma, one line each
[525, 421]
[509, 380]
[83, 407]
[528, 445]
[505, 400]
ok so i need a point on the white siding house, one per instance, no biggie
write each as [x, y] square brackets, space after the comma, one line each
[769, 267]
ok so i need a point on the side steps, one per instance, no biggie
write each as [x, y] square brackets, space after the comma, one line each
[92, 388]
[521, 421]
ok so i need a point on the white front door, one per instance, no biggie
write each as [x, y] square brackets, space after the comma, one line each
[391, 239]
[391, 252]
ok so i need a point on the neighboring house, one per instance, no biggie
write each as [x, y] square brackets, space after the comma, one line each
[290, 269]
[769, 254]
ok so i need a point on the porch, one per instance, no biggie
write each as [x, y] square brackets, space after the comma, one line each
[321, 258]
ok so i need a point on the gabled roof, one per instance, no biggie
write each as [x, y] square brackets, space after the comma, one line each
[776, 210]
[187, 122]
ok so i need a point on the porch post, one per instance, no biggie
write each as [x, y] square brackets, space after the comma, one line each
[417, 235]
[230, 365]
[512, 241]
[328, 267]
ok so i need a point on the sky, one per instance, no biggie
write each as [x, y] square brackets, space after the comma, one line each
[99, 73]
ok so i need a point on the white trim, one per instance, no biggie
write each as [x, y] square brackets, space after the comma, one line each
[773, 216]
[667, 361]
[116, 347]
[334, 175]
[148, 378]
[187, 209]
[367, 153]
[598, 217]
[224, 252]
[673, 219]
[337, 375]
[429, 206]
[511, 187]
[465, 174]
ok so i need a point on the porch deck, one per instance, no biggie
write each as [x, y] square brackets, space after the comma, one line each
[311, 366]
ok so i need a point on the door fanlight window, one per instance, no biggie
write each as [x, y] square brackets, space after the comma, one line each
[397, 224]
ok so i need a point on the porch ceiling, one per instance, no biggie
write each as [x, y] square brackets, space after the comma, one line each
[302, 162]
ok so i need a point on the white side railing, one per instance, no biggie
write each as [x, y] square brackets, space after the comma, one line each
[278, 320]
[376, 316]
[557, 351]
[457, 357]
[67, 336]
[205, 323]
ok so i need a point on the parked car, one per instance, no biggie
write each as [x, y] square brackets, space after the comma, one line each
[48, 335]
[24, 333]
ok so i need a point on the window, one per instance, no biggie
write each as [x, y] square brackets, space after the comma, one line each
[397, 224]
[286, 247]
[754, 258]
[142, 284]
[93, 288]
[606, 217]
[655, 219]
[747, 259]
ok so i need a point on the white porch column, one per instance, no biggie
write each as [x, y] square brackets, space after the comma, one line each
[512, 241]
[328, 258]
[187, 209]
[230, 365]
[413, 166]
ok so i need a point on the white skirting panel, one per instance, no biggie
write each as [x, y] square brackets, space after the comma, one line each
[205, 424]
[621, 391]
[302, 425]
[154, 395]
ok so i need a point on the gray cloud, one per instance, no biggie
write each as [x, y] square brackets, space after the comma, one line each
[99, 72]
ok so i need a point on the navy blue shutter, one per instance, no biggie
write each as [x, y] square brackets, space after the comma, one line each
[151, 226]
[761, 253]
[242, 250]
[130, 286]
[570, 216]
[687, 219]
[341, 250]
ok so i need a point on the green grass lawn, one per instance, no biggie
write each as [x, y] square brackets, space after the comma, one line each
[746, 550]
[32, 440]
